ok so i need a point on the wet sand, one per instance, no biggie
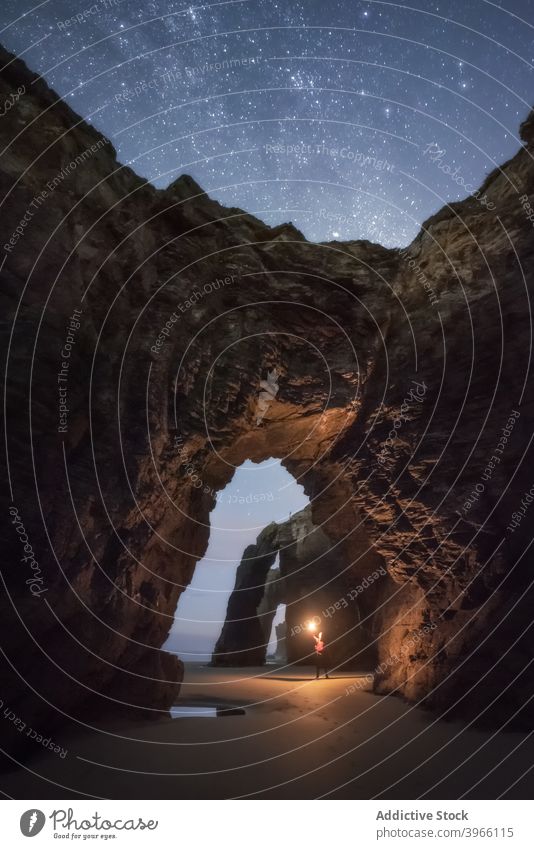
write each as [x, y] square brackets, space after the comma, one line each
[298, 739]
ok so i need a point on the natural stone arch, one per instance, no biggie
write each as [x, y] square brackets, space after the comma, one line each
[274, 595]
[109, 504]
[314, 583]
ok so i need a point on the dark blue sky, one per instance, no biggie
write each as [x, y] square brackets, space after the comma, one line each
[259, 493]
[308, 111]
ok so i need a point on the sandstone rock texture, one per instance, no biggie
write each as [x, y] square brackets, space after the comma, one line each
[155, 340]
[314, 583]
[242, 641]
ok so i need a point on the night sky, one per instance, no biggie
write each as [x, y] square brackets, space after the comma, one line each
[317, 112]
[309, 111]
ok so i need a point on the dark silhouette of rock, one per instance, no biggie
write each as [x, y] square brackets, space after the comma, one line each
[399, 373]
[314, 583]
[242, 641]
[274, 595]
[280, 653]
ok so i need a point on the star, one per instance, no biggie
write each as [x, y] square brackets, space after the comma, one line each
[204, 89]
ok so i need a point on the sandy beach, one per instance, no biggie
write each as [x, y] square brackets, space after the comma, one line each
[298, 738]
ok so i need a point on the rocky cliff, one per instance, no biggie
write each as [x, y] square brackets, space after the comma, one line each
[155, 340]
[316, 583]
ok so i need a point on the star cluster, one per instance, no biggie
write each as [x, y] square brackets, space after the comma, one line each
[317, 113]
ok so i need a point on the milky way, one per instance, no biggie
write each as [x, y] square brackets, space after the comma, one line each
[351, 119]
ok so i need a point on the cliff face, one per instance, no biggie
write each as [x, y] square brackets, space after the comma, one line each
[242, 641]
[156, 339]
[316, 584]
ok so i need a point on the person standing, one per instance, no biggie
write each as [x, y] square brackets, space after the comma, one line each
[321, 657]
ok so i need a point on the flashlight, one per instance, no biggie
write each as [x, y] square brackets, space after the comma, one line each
[312, 626]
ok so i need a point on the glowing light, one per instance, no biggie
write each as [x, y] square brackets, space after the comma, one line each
[312, 626]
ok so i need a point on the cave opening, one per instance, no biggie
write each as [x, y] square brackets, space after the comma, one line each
[276, 648]
[259, 496]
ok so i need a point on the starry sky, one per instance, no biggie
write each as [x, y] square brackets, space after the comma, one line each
[309, 111]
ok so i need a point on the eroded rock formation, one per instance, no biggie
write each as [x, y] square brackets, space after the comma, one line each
[242, 641]
[315, 582]
[274, 595]
[393, 376]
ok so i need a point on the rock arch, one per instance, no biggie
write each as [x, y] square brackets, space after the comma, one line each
[186, 307]
[313, 582]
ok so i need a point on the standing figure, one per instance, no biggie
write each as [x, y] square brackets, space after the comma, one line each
[321, 657]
